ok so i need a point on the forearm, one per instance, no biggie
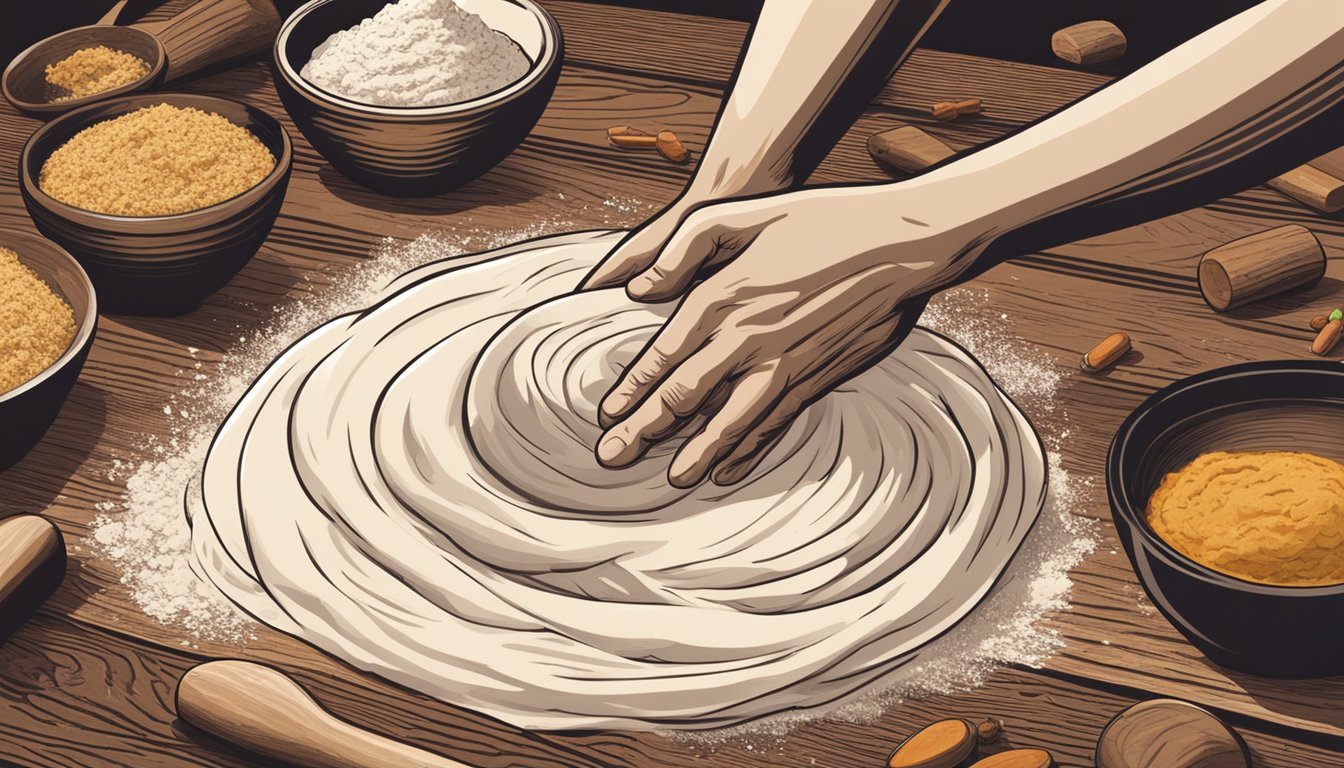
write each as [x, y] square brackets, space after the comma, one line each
[1241, 103]
[808, 71]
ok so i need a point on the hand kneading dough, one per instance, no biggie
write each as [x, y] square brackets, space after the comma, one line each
[412, 488]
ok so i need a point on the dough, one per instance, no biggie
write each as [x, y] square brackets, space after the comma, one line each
[412, 488]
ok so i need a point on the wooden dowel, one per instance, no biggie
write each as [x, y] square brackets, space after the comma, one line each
[1260, 265]
[1319, 183]
[1091, 42]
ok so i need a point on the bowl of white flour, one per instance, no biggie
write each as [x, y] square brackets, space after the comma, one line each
[417, 97]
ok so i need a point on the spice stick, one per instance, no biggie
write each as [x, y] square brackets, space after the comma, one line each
[951, 110]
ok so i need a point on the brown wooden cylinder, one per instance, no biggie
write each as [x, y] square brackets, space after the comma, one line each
[908, 149]
[1089, 42]
[1260, 265]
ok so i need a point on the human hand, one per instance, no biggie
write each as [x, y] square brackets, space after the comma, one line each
[811, 288]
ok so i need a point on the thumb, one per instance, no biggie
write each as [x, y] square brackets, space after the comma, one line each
[704, 238]
[634, 253]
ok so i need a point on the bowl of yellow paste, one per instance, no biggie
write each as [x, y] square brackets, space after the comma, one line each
[1227, 491]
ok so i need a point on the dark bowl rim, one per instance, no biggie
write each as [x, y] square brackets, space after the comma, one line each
[156, 69]
[548, 61]
[1122, 505]
[283, 162]
[84, 326]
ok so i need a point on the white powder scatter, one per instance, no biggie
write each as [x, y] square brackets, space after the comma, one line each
[416, 53]
[1007, 627]
[146, 535]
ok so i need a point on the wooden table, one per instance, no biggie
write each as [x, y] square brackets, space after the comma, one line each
[89, 681]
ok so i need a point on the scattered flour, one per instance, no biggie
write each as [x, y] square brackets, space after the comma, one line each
[416, 53]
[146, 534]
[148, 537]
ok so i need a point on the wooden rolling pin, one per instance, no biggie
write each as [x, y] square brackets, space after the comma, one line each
[32, 564]
[263, 711]
[208, 32]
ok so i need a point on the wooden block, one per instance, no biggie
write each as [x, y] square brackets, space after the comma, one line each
[1260, 265]
[908, 149]
[32, 564]
[1090, 42]
[1319, 183]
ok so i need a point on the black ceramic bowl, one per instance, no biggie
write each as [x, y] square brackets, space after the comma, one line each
[1289, 405]
[25, 79]
[417, 151]
[29, 409]
[159, 265]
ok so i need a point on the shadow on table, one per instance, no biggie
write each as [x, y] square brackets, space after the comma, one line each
[1318, 297]
[31, 485]
[1310, 701]
[501, 186]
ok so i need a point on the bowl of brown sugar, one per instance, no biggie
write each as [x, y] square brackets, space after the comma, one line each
[48, 317]
[1227, 491]
[83, 65]
[162, 197]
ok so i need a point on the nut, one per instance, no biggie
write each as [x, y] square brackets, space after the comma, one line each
[1327, 338]
[944, 744]
[1318, 322]
[1111, 349]
[989, 730]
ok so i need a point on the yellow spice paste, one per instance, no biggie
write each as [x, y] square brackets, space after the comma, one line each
[1273, 517]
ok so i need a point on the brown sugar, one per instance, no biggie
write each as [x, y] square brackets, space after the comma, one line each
[93, 70]
[36, 325]
[156, 161]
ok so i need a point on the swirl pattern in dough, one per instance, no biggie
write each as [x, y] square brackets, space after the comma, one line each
[412, 488]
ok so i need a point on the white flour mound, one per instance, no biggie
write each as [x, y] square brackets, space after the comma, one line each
[413, 489]
[416, 53]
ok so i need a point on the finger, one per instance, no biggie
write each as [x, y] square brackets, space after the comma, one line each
[749, 452]
[675, 342]
[695, 244]
[631, 256]
[677, 399]
[750, 399]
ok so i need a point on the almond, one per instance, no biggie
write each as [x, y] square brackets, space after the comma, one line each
[944, 744]
[1017, 758]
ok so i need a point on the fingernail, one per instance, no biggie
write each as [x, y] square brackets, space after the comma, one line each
[615, 404]
[679, 475]
[641, 285]
[610, 448]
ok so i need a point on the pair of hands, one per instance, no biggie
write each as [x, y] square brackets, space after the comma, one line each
[782, 298]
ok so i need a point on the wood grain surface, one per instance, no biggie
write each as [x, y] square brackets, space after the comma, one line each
[89, 681]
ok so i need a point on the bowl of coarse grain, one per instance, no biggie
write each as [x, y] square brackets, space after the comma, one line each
[110, 207]
[400, 147]
[48, 317]
[1290, 408]
[95, 56]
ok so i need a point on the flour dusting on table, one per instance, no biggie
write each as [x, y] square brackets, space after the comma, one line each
[146, 534]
